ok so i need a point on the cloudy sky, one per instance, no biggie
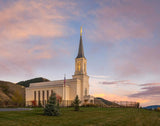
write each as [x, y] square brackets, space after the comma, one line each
[40, 38]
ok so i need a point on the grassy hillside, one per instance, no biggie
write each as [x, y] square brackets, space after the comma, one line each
[11, 94]
[86, 117]
[105, 102]
[34, 80]
[98, 102]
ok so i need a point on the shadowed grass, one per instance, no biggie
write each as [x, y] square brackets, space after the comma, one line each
[85, 117]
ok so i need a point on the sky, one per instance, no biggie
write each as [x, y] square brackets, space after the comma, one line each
[121, 41]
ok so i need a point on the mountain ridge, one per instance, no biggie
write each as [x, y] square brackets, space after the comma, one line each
[26, 83]
[13, 94]
[151, 107]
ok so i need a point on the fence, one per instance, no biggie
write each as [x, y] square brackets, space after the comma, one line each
[64, 103]
[67, 103]
[127, 104]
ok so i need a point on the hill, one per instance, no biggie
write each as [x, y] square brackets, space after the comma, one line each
[11, 94]
[152, 107]
[105, 102]
[26, 83]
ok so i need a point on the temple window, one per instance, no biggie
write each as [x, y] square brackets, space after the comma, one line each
[35, 96]
[51, 92]
[43, 97]
[39, 101]
[79, 66]
[47, 95]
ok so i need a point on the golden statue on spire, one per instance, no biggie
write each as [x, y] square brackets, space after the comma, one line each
[81, 31]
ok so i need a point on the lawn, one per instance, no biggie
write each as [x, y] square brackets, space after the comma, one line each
[85, 117]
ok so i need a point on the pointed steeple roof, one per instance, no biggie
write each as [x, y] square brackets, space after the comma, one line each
[81, 51]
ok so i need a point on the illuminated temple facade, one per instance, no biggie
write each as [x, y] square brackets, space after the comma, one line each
[39, 93]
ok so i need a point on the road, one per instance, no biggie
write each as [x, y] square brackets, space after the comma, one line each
[14, 109]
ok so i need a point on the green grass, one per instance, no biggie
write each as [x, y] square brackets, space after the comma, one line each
[85, 117]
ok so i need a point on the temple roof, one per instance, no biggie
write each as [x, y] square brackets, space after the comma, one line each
[81, 51]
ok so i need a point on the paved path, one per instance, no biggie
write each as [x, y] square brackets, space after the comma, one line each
[14, 109]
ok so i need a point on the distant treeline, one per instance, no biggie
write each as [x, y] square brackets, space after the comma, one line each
[35, 80]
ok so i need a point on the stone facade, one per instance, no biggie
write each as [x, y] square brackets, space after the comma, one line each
[38, 93]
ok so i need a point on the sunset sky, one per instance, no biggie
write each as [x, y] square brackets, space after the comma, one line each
[121, 38]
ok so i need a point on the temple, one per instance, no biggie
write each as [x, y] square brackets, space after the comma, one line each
[67, 89]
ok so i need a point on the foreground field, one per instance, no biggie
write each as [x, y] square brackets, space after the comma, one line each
[85, 117]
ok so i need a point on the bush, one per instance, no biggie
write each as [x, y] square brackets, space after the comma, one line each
[89, 105]
[76, 103]
[158, 108]
[52, 107]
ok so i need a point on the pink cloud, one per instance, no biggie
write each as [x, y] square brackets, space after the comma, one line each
[142, 60]
[151, 93]
[121, 20]
[151, 84]
[146, 94]
[26, 19]
[127, 82]
[32, 18]
[148, 91]
[134, 22]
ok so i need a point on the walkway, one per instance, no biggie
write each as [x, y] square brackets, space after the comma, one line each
[14, 109]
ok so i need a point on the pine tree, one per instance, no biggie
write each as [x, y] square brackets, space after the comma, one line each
[76, 103]
[52, 107]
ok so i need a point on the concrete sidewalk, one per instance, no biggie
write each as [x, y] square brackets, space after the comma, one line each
[14, 109]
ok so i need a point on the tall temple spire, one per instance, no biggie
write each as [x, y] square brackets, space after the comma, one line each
[81, 51]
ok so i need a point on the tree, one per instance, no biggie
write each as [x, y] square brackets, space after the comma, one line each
[137, 105]
[52, 107]
[34, 80]
[76, 103]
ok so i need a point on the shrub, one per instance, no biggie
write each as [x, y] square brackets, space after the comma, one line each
[76, 103]
[52, 107]
[158, 108]
[89, 105]
[34, 103]
[59, 99]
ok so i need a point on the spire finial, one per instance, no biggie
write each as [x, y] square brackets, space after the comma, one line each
[81, 31]
[80, 52]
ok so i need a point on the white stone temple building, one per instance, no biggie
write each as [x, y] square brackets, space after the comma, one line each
[67, 89]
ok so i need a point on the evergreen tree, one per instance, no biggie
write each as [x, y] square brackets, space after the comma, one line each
[76, 103]
[52, 107]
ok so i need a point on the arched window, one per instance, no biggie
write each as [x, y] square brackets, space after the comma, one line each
[79, 66]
